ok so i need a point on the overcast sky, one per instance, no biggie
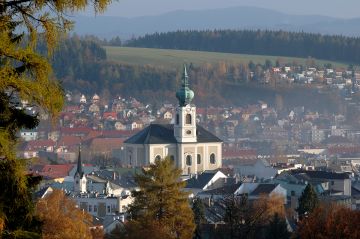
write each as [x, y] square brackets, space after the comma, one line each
[336, 8]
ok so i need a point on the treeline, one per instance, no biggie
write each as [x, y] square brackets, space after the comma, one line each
[75, 57]
[259, 42]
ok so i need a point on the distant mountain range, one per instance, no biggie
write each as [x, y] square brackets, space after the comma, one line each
[227, 18]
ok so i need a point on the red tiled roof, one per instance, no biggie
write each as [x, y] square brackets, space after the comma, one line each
[239, 153]
[343, 150]
[53, 171]
[69, 140]
[200, 111]
[39, 144]
[107, 115]
[71, 108]
[74, 131]
[106, 144]
[67, 115]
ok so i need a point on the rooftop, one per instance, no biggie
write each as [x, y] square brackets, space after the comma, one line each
[164, 133]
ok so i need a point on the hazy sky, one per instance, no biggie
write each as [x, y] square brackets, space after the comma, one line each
[336, 8]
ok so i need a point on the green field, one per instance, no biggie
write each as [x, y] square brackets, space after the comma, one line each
[174, 58]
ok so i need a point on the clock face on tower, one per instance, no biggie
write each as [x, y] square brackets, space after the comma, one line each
[188, 132]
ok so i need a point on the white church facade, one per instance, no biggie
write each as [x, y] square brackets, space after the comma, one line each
[193, 148]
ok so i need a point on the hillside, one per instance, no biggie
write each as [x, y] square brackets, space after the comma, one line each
[174, 58]
[227, 18]
[257, 42]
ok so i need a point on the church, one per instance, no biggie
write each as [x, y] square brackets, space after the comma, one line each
[193, 148]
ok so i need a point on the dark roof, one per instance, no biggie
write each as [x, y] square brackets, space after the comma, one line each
[264, 188]
[200, 180]
[42, 192]
[323, 174]
[164, 134]
[225, 190]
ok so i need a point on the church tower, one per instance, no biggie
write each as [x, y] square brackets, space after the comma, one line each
[79, 177]
[185, 119]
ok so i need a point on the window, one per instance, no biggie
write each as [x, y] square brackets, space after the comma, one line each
[172, 158]
[188, 119]
[188, 160]
[177, 118]
[90, 208]
[188, 132]
[108, 209]
[212, 158]
[95, 208]
[158, 157]
[198, 159]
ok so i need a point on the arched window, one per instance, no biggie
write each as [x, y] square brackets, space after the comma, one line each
[212, 158]
[177, 119]
[188, 119]
[198, 158]
[158, 157]
[188, 160]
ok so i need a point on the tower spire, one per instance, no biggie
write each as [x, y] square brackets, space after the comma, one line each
[185, 77]
[185, 94]
[79, 169]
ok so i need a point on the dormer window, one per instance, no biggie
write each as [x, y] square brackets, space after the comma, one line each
[188, 119]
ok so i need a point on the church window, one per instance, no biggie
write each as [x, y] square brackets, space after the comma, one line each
[95, 208]
[158, 157]
[108, 209]
[188, 132]
[90, 208]
[188, 160]
[212, 158]
[172, 158]
[198, 159]
[188, 119]
[177, 119]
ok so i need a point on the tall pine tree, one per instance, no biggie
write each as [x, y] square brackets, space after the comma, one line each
[308, 201]
[160, 204]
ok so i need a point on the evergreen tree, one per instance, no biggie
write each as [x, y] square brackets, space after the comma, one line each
[308, 201]
[277, 228]
[198, 208]
[25, 75]
[160, 203]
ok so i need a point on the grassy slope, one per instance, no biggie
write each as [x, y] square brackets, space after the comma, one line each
[174, 58]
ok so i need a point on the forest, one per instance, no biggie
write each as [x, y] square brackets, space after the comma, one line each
[259, 42]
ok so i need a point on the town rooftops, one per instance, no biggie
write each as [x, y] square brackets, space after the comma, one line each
[200, 180]
[164, 134]
[322, 174]
[264, 188]
[225, 190]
